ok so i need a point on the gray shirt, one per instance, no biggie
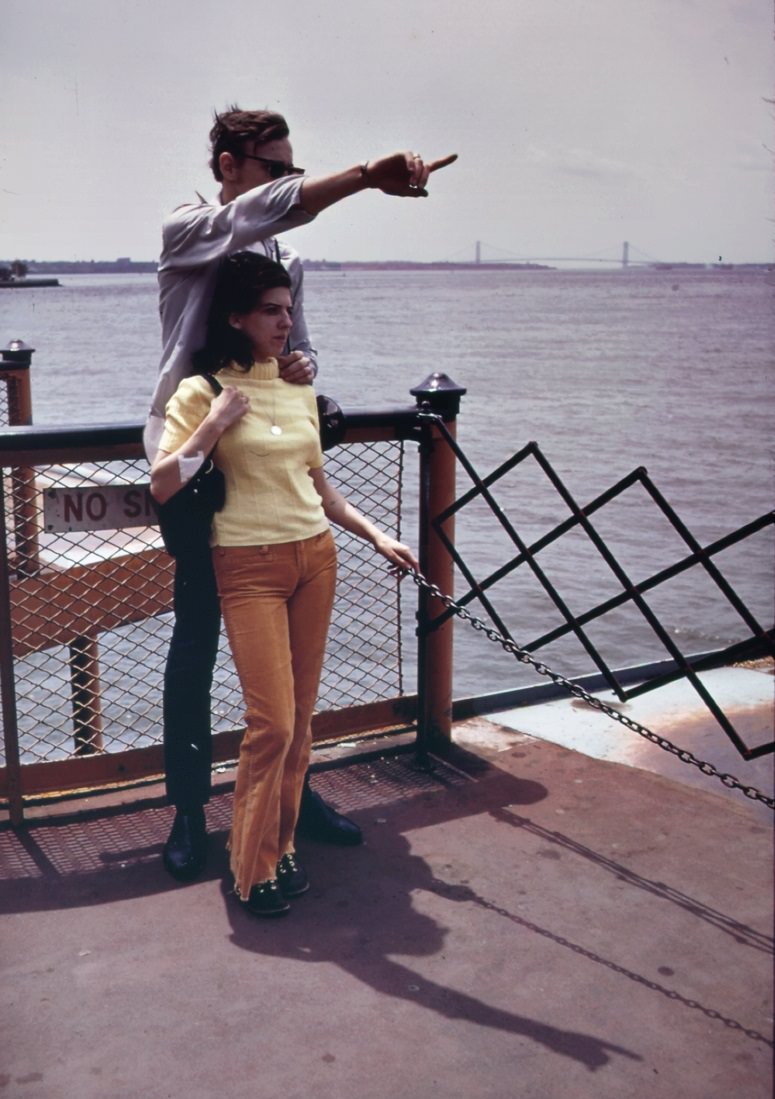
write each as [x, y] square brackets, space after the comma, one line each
[195, 238]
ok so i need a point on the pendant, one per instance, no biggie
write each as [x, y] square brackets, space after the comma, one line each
[276, 430]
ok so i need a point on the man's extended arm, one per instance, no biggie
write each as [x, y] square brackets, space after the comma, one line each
[195, 235]
[402, 174]
[201, 233]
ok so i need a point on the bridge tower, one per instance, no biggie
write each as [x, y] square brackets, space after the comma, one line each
[626, 254]
[478, 254]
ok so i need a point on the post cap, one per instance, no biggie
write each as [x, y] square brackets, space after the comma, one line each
[17, 353]
[441, 393]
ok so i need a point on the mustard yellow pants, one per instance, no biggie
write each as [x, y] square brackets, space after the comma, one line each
[276, 602]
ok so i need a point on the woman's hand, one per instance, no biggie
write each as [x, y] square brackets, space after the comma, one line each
[230, 405]
[400, 556]
[170, 471]
[339, 511]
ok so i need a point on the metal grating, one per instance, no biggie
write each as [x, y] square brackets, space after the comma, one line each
[91, 616]
[117, 838]
[5, 401]
[90, 620]
[363, 662]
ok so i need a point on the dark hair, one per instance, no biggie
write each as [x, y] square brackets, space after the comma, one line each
[232, 128]
[241, 281]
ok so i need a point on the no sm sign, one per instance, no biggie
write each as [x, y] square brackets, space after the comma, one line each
[107, 507]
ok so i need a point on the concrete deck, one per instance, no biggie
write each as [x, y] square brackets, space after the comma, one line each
[528, 921]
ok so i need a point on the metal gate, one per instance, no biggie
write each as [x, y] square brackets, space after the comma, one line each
[760, 639]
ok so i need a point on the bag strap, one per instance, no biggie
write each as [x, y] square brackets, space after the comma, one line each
[217, 388]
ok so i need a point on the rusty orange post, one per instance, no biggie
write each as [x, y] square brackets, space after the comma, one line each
[15, 362]
[439, 396]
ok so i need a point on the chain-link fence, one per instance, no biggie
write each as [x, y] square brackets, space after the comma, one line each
[89, 594]
[91, 616]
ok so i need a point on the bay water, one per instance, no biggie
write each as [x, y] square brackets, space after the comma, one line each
[606, 370]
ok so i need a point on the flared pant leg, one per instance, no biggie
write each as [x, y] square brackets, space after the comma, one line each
[276, 602]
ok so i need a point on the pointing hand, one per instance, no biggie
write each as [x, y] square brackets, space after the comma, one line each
[403, 174]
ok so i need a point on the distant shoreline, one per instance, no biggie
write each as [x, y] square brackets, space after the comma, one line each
[87, 267]
[142, 267]
[139, 267]
[410, 265]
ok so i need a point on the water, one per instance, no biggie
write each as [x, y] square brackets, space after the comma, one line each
[607, 371]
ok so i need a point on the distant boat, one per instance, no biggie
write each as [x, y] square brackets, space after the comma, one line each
[23, 283]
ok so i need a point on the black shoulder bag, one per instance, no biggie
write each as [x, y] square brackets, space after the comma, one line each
[332, 425]
[186, 518]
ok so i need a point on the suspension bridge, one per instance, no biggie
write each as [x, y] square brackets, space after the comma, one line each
[625, 256]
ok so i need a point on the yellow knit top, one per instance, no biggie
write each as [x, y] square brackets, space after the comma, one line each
[270, 496]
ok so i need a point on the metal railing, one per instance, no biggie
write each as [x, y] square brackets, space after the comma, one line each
[760, 639]
[85, 596]
[85, 602]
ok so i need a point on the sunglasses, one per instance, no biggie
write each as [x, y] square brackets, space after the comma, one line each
[276, 168]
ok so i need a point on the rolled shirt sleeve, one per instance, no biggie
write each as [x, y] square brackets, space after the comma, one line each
[198, 234]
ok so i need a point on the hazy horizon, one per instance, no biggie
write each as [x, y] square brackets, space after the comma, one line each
[578, 123]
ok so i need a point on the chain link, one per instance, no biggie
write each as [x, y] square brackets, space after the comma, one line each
[579, 692]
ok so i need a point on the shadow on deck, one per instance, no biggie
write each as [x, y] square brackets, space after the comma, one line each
[517, 921]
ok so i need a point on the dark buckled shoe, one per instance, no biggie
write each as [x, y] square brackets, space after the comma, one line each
[320, 821]
[185, 851]
[265, 899]
[292, 876]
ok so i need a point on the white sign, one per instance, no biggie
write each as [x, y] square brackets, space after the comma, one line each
[107, 507]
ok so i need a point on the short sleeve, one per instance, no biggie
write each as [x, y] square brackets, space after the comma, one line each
[185, 411]
[317, 459]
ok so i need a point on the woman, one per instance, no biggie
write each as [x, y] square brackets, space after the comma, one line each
[273, 555]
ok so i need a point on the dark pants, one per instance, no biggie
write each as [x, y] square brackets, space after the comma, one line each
[188, 678]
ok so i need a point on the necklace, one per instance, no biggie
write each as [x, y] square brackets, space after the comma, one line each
[274, 427]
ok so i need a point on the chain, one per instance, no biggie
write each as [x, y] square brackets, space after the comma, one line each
[579, 692]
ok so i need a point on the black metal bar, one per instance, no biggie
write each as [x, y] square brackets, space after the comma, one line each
[702, 557]
[650, 617]
[15, 441]
[515, 697]
[750, 649]
[475, 590]
[18, 441]
[540, 544]
[505, 467]
[538, 572]
[658, 578]
[631, 592]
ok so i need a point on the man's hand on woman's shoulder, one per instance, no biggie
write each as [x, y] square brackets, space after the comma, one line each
[296, 368]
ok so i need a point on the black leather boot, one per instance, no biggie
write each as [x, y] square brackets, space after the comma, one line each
[185, 852]
[320, 821]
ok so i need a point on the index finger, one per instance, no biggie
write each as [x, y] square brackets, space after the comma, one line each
[442, 163]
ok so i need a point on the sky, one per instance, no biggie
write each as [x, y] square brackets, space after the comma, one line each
[579, 124]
